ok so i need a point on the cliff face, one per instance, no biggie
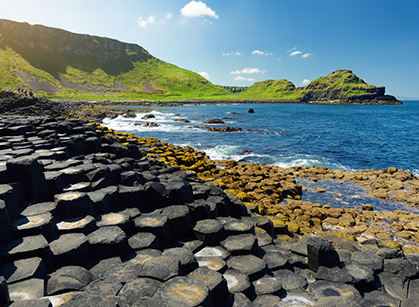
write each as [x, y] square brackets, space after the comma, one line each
[344, 86]
[341, 86]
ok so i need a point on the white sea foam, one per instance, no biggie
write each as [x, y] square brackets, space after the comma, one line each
[308, 160]
[165, 123]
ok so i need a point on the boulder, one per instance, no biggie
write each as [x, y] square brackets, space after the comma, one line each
[214, 121]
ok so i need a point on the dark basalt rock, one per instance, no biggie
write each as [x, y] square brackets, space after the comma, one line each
[139, 233]
[214, 121]
[23, 269]
[139, 288]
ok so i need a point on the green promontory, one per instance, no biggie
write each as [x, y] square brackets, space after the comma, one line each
[341, 86]
[59, 63]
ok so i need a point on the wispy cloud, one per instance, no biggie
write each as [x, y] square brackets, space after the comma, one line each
[305, 82]
[143, 23]
[248, 70]
[204, 74]
[198, 9]
[241, 78]
[258, 52]
[296, 52]
[235, 53]
[169, 16]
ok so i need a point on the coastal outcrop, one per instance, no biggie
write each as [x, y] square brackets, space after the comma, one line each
[90, 217]
[340, 87]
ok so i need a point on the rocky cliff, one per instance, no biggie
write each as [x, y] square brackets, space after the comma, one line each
[341, 86]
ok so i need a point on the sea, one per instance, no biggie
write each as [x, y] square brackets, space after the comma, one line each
[347, 137]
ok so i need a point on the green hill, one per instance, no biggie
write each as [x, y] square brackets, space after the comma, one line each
[341, 86]
[60, 63]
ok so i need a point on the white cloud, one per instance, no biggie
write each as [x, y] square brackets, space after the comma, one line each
[169, 15]
[198, 9]
[235, 53]
[295, 53]
[143, 23]
[305, 82]
[306, 55]
[258, 52]
[241, 78]
[204, 74]
[248, 70]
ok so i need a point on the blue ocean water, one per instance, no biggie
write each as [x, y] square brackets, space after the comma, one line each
[336, 136]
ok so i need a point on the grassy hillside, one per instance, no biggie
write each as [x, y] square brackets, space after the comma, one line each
[54, 62]
[341, 86]
[272, 89]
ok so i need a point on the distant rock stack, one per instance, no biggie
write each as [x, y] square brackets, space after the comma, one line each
[86, 220]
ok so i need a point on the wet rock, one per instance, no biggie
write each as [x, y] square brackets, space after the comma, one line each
[214, 121]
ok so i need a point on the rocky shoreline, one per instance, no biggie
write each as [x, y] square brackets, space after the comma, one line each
[93, 217]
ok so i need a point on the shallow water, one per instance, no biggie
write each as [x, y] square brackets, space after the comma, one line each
[348, 194]
[335, 136]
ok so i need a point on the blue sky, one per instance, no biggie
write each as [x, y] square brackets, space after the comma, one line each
[239, 42]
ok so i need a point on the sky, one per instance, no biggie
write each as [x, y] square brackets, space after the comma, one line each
[239, 42]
